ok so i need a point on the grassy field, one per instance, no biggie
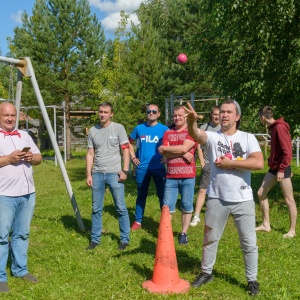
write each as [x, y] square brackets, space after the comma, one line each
[57, 254]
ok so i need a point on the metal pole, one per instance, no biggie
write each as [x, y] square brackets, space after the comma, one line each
[297, 151]
[14, 61]
[193, 100]
[167, 111]
[26, 109]
[172, 106]
[18, 97]
[65, 133]
[54, 143]
[54, 125]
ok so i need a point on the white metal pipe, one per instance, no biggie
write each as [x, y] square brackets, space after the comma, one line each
[54, 125]
[54, 143]
[297, 151]
[18, 96]
[65, 134]
[13, 61]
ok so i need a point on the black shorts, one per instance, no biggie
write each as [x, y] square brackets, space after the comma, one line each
[287, 172]
[205, 177]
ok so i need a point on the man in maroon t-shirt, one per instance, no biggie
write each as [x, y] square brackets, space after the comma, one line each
[179, 149]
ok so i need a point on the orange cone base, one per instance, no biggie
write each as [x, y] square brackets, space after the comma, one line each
[181, 287]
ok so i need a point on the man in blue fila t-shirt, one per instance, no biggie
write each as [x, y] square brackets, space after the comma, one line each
[149, 162]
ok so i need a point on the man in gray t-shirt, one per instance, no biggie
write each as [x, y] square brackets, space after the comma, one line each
[212, 125]
[104, 168]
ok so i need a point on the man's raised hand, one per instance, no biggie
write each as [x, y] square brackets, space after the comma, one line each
[191, 113]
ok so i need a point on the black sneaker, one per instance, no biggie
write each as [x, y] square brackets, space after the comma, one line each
[201, 279]
[253, 288]
[123, 246]
[4, 287]
[182, 238]
[30, 278]
[92, 246]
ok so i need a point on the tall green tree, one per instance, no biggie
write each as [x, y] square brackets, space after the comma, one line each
[145, 60]
[3, 91]
[63, 40]
[115, 81]
[177, 25]
[248, 49]
[253, 49]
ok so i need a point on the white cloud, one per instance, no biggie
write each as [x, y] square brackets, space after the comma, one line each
[112, 9]
[111, 22]
[17, 17]
[116, 6]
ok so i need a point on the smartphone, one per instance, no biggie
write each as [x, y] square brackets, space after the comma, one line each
[25, 149]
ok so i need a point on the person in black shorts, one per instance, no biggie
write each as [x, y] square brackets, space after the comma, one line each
[280, 170]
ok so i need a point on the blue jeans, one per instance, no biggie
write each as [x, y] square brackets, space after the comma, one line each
[15, 217]
[100, 181]
[185, 186]
[143, 177]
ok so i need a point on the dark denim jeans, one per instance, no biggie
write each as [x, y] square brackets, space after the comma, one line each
[143, 177]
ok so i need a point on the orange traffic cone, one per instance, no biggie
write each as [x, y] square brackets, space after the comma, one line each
[165, 275]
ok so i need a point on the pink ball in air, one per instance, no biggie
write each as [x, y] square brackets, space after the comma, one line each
[182, 58]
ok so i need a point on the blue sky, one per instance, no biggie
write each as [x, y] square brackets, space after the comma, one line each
[107, 11]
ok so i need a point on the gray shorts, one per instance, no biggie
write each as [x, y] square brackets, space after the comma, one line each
[205, 177]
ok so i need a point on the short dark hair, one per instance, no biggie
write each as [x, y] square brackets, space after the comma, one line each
[266, 111]
[106, 103]
[153, 105]
[229, 100]
[216, 107]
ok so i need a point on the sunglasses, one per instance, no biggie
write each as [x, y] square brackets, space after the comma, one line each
[151, 111]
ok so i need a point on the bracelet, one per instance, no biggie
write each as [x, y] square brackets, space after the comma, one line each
[126, 172]
[133, 158]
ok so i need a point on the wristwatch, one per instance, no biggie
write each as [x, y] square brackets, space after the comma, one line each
[126, 172]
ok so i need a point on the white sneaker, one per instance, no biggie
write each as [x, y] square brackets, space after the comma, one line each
[195, 221]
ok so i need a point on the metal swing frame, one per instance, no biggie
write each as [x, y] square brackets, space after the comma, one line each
[25, 69]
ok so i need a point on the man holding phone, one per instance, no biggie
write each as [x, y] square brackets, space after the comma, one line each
[18, 153]
[25, 149]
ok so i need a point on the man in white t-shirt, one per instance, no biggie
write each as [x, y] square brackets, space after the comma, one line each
[232, 155]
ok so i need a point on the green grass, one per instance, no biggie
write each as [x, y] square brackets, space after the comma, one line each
[57, 254]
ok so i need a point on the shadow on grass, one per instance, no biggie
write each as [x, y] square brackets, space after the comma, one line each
[70, 223]
[149, 224]
[184, 261]
[77, 173]
[230, 279]
[142, 270]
